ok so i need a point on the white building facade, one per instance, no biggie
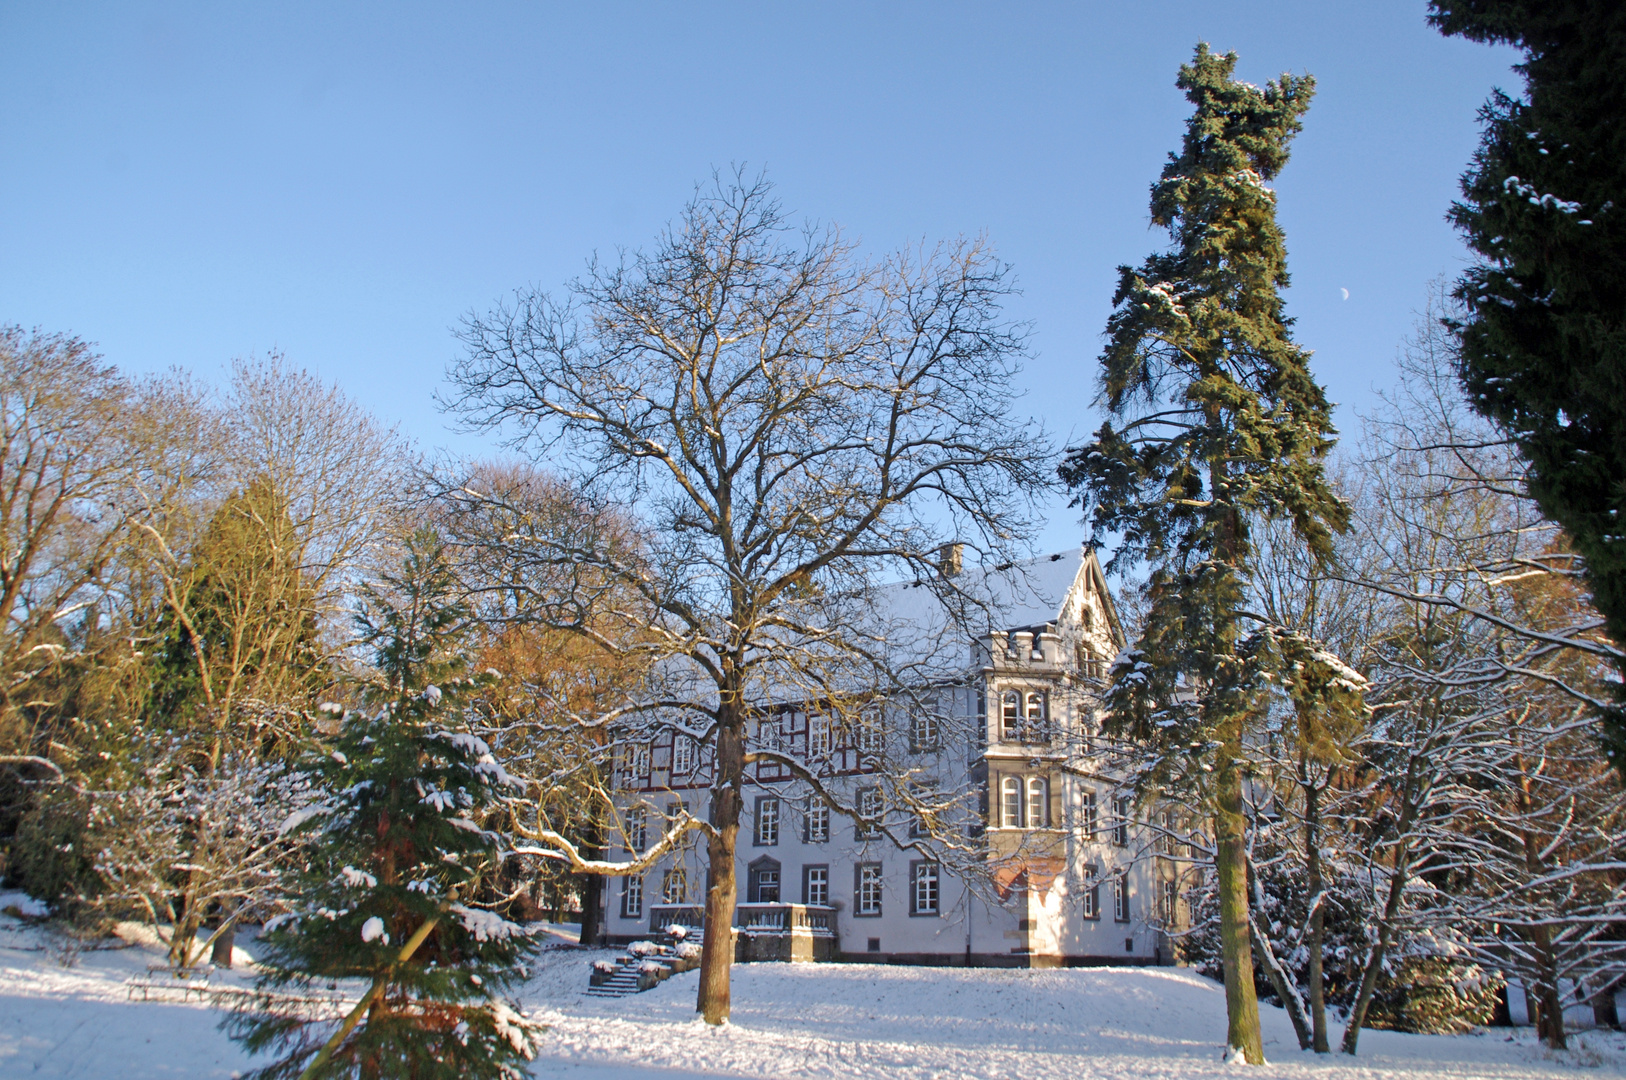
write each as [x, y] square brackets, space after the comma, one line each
[1064, 870]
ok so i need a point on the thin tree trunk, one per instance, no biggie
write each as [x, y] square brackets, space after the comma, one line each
[1231, 863]
[1285, 990]
[1391, 912]
[1318, 907]
[717, 954]
[1605, 1013]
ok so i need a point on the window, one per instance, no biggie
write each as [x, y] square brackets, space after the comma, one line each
[1166, 844]
[980, 721]
[1120, 897]
[816, 825]
[1092, 900]
[1120, 822]
[632, 897]
[636, 829]
[869, 813]
[923, 882]
[923, 731]
[638, 758]
[821, 741]
[1038, 646]
[1011, 802]
[767, 821]
[1010, 717]
[682, 755]
[1170, 903]
[867, 736]
[1091, 815]
[1038, 718]
[762, 882]
[867, 890]
[816, 885]
[1038, 803]
[1086, 730]
[674, 886]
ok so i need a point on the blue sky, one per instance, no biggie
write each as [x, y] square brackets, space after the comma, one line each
[185, 184]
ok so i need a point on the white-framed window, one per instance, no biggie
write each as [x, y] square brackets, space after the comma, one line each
[674, 886]
[1010, 790]
[867, 889]
[923, 729]
[1092, 900]
[1092, 820]
[632, 897]
[821, 739]
[1120, 821]
[1086, 729]
[816, 825]
[682, 755]
[868, 738]
[636, 829]
[869, 813]
[1120, 897]
[1038, 808]
[1037, 726]
[1010, 716]
[767, 821]
[923, 888]
[816, 885]
[1170, 903]
[639, 761]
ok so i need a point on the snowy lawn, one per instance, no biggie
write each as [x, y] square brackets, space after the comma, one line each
[67, 1015]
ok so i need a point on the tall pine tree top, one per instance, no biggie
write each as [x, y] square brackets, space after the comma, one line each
[1544, 206]
[1214, 415]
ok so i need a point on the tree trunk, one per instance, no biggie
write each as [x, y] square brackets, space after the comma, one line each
[1231, 862]
[717, 954]
[220, 955]
[1285, 990]
[1316, 936]
[1605, 1014]
[1391, 911]
[592, 931]
[1551, 1027]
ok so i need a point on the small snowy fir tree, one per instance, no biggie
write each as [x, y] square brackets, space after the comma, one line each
[398, 854]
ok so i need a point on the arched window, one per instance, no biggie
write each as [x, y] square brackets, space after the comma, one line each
[1012, 800]
[1038, 815]
[1011, 716]
[1038, 718]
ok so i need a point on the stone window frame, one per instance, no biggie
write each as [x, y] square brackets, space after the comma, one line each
[1120, 897]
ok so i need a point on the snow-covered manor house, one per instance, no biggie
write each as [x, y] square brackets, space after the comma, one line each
[1069, 875]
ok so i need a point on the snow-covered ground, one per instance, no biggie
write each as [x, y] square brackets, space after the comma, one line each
[67, 1014]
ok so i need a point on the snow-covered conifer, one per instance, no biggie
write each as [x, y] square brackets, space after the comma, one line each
[399, 852]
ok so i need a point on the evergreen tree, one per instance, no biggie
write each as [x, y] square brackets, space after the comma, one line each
[1544, 205]
[398, 852]
[1214, 419]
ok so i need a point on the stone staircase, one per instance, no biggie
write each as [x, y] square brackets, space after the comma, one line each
[646, 966]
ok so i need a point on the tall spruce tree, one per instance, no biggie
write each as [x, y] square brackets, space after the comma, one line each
[1214, 419]
[1544, 205]
[398, 854]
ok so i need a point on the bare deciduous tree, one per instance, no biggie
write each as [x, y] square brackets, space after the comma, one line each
[789, 426]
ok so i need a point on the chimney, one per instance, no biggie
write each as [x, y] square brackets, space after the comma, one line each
[950, 559]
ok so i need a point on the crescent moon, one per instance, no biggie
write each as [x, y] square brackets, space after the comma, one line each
[1345, 292]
